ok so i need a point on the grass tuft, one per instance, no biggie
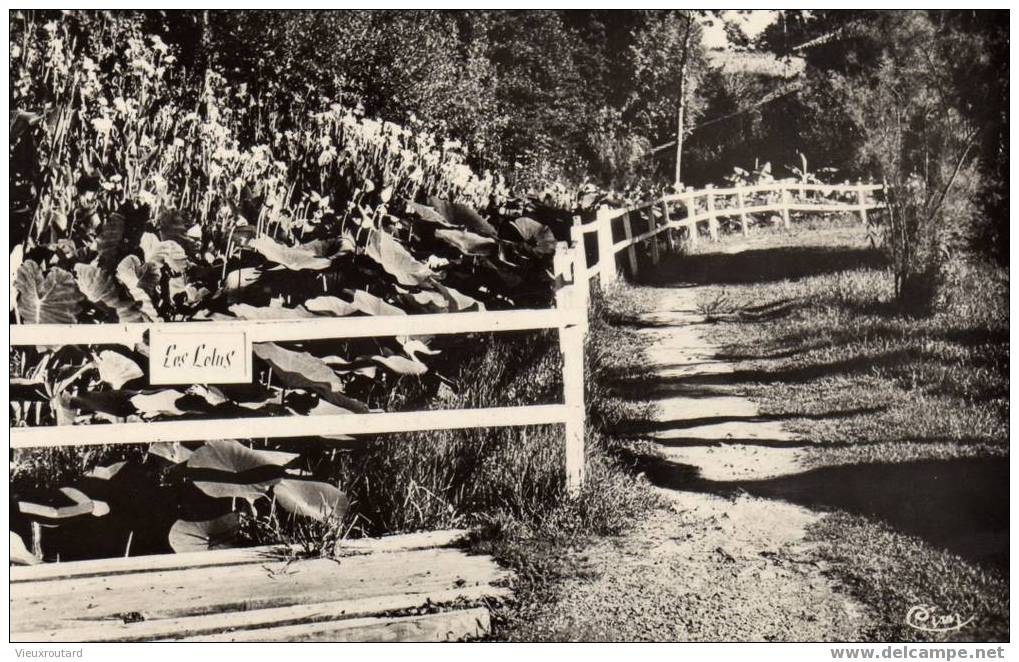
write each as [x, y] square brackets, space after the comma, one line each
[867, 382]
[893, 573]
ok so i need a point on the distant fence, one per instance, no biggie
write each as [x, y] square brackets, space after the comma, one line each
[572, 269]
[614, 229]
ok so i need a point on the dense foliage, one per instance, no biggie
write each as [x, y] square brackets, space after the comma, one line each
[906, 95]
[220, 165]
[141, 192]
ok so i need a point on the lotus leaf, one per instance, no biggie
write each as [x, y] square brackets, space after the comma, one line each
[462, 215]
[319, 501]
[80, 505]
[217, 533]
[369, 304]
[116, 369]
[274, 311]
[166, 252]
[17, 255]
[302, 370]
[467, 242]
[428, 214]
[241, 278]
[49, 299]
[330, 306]
[161, 403]
[171, 451]
[239, 471]
[100, 288]
[396, 260]
[20, 554]
[107, 472]
[289, 257]
[401, 365]
[114, 403]
[229, 455]
[141, 280]
[458, 301]
[537, 235]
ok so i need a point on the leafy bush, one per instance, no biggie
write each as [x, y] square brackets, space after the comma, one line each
[135, 208]
[139, 195]
[923, 147]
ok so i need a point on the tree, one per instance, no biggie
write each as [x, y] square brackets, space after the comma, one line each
[978, 43]
[395, 63]
[543, 91]
[957, 57]
[921, 146]
[668, 59]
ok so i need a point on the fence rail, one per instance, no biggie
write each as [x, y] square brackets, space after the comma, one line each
[572, 273]
[304, 328]
[702, 206]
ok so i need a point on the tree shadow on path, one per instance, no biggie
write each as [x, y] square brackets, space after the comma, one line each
[960, 505]
[761, 265]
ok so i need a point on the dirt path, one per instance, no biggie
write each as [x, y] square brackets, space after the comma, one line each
[702, 422]
[707, 568]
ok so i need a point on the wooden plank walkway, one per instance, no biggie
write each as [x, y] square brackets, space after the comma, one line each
[416, 587]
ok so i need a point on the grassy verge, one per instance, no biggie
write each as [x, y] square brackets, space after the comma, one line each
[821, 344]
[508, 481]
[810, 319]
[542, 549]
[894, 573]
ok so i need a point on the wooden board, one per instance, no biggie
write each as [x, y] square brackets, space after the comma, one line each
[445, 626]
[250, 595]
[51, 436]
[403, 542]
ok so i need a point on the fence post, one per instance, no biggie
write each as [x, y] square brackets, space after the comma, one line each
[785, 208]
[606, 255]
[571, 345]
[631, 250]
[36, 547]
[712, 219]
[861, 198]
[744, 221]
[670, 233]
[653, 226]
[580, 277]
[691, 213]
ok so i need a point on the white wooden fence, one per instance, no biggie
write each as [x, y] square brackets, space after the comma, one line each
[569, 317]
[709, 206]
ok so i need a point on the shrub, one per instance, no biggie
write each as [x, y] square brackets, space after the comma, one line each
[921, 146]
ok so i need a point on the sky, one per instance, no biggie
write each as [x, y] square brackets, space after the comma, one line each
[753, 22]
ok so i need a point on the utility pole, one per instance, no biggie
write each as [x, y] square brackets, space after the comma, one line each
[681, 111]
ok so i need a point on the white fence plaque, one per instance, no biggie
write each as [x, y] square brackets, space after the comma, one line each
[199, 357]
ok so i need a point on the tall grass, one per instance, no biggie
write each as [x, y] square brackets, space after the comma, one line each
[861, 375]
[508, 480]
